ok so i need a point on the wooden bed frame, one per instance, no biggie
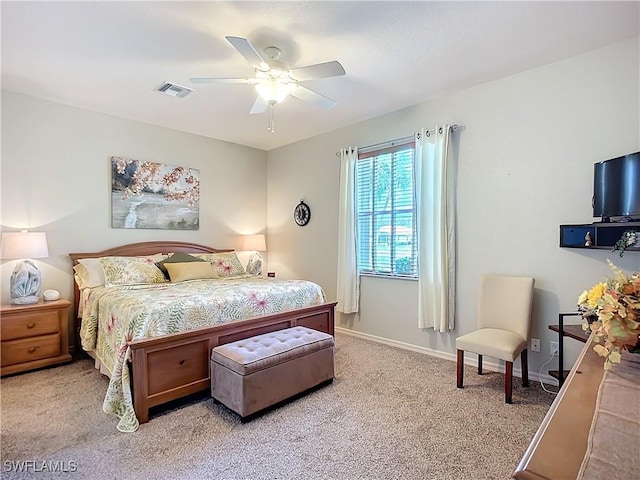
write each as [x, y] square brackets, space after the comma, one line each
[173, 366]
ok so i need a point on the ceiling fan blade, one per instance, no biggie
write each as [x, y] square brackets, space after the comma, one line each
[260, 106]
[219, 80]
[319, 70]
[310, 96]
[245, 49]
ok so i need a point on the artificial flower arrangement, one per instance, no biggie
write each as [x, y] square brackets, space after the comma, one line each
[628, 239]
[611, 311]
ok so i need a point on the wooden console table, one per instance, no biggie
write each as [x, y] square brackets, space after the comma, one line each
[558, 447]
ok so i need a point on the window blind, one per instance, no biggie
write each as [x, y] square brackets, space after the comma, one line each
[385, 202]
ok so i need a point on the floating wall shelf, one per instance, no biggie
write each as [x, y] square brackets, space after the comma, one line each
[603, 235]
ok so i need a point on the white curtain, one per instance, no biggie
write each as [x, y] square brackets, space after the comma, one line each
[435, 201]
[348, 279]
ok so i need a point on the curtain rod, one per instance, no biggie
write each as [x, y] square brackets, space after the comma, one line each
[453, 127]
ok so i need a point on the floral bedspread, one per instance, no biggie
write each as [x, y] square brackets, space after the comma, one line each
[113, 316]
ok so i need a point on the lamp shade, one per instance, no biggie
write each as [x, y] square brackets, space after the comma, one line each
[24, 245]
[254, 242]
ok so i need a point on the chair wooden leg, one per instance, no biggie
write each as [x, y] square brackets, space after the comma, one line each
[525, 368]
[479, 364]
[460, 369]
[508, 377]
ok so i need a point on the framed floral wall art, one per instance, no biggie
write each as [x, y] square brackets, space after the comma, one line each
[154, 195]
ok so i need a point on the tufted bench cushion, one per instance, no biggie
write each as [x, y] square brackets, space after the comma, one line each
[255, 373]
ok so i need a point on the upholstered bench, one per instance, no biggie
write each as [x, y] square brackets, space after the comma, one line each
[252, 374]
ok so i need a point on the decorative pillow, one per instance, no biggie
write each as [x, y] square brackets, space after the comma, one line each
[243, 256]
[89, 272]
[179, 272]
[178, 257]
[225, 264]
[130, 271]
[156, 257]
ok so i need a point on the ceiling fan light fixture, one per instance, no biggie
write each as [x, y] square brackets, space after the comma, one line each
[273, 91]
[274, 81]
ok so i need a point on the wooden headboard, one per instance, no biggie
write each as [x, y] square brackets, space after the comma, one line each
[132, 250]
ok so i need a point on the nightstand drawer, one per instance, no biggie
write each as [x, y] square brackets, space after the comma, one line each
[28, 349]
[29, 324]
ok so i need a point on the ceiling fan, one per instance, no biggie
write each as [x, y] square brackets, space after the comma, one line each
[274, 81]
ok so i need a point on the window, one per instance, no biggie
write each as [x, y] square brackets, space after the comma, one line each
[385, 210]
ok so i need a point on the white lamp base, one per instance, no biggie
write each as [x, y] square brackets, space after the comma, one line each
[254, 266]
[25, 283]
[25, 300]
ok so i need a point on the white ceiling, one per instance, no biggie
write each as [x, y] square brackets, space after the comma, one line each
[110, 56]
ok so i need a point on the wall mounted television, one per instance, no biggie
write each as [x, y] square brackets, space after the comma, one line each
[616, 189]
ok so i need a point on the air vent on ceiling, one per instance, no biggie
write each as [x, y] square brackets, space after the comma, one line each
[174, 90]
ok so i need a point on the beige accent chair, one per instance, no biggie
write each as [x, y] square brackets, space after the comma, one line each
[504, 319]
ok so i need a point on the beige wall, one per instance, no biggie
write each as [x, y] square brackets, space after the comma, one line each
[526, 159]
[56, 177]
[525, 166]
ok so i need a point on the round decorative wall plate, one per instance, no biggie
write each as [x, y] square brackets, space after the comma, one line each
[302, 214]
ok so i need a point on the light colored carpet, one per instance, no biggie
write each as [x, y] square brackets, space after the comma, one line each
[389, 414]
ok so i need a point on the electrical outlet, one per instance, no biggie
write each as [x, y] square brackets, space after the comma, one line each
[535, 344]
[554, 348]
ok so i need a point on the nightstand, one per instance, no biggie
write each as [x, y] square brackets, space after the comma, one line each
[34, 336]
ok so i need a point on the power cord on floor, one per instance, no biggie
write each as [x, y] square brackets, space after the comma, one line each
[540, 377]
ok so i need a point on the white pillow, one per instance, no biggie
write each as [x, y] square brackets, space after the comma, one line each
[94, 275]
[81, 276]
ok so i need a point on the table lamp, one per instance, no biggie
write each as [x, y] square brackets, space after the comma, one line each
[256, 244]
[25, 282]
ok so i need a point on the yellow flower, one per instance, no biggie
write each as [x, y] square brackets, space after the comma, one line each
[595, 294]
[582, 299]
[611, 310]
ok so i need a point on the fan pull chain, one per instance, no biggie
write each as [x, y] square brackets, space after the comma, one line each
[271, 127]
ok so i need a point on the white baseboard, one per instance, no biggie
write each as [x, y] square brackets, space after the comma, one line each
[489, 365]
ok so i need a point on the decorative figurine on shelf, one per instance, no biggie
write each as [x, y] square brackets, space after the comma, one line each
[588, 241]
